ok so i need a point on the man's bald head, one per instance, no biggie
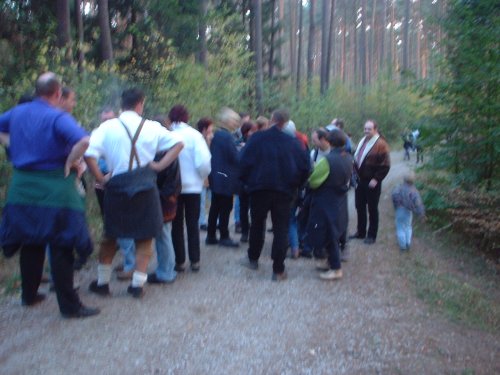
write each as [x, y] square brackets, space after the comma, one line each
[47, 85]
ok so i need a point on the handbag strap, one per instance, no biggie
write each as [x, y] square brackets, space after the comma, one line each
[133, 150]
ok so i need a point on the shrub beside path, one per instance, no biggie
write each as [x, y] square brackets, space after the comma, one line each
[230, 320]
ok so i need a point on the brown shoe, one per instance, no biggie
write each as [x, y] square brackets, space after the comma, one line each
[124, 275]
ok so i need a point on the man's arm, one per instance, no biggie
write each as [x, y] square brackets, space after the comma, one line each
[95, 170]
[168, 158]
[75, 155]
[5, 139]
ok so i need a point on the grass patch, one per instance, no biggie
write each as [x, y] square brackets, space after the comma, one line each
[448, 293]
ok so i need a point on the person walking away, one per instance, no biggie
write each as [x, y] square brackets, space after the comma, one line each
[407, 201]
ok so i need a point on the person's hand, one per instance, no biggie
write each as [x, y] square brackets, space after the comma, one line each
[155, 166]
[373, 183]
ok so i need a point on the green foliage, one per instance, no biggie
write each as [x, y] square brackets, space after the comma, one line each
[465, 134]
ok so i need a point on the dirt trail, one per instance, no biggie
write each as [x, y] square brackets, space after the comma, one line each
[230, 320]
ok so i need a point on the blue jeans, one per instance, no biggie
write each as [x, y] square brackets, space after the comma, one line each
[165, 254]
[127, 247]
[236, 209]
[205, 193]
[403, 227]
[293, 235]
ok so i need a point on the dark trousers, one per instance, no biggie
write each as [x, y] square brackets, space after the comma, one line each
[220, 210]
[188, 207]
[333, 253]
[261, 202]
[244, 208]
[61, 264]
[366, 196]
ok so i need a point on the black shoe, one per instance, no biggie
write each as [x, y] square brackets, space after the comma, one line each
[195, 267]
[179, 268]
[306, 254]
[102, 290]
[153, 279]
[211, 241]
[244, 237]
[203, 227]
[250, 264]
[82, 312]
[369, 240]
[280, 276]
[38, 298]
[135, 291]
[227, 242]
[356, 236]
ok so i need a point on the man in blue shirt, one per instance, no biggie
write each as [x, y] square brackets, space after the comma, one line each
[43, 206]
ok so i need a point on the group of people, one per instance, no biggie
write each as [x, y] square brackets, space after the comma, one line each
[151, 177]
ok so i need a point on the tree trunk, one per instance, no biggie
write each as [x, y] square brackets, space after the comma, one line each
[355, 44]
[202, 30]
[344, 51]
[271, 46]
[362, 44]
[394, 55]
[63, 28]
[406, 38]
[331, 43]
[324, 47]
[79, 27]
[372, 58]
[259, 83]
[382, 58]
[310, 45]
[299, 52]
[293, 36]
[104, 25]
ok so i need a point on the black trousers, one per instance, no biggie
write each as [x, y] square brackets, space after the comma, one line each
[279, 204]
[244, 208]
[220, 210]
[188, 208]
[61, 264]
[367, 197]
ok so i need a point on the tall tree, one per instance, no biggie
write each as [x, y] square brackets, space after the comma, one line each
[79, 27]
[299, 52]
[271, 44]
[331, 43]
[406, 38]
[310, 44]
[202, 33]
[104, 25]
[63, 27]
[362, 43]
[259, 80]
[324, 47]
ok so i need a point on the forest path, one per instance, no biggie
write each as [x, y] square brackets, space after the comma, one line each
[230, 320]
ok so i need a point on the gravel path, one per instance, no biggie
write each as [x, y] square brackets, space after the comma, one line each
[230, 320]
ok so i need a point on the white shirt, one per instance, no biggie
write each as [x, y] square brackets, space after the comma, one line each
[194, 159]
[111, 142]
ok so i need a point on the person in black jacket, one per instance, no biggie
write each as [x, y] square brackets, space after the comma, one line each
[272, 166]
[223, 179]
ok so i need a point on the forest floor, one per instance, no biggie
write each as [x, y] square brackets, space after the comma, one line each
[392, 313]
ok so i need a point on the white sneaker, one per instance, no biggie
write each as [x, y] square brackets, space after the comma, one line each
[322, 264]
[331, 275]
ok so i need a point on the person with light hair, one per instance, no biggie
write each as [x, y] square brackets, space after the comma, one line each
[407, 201]
[223, 178]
